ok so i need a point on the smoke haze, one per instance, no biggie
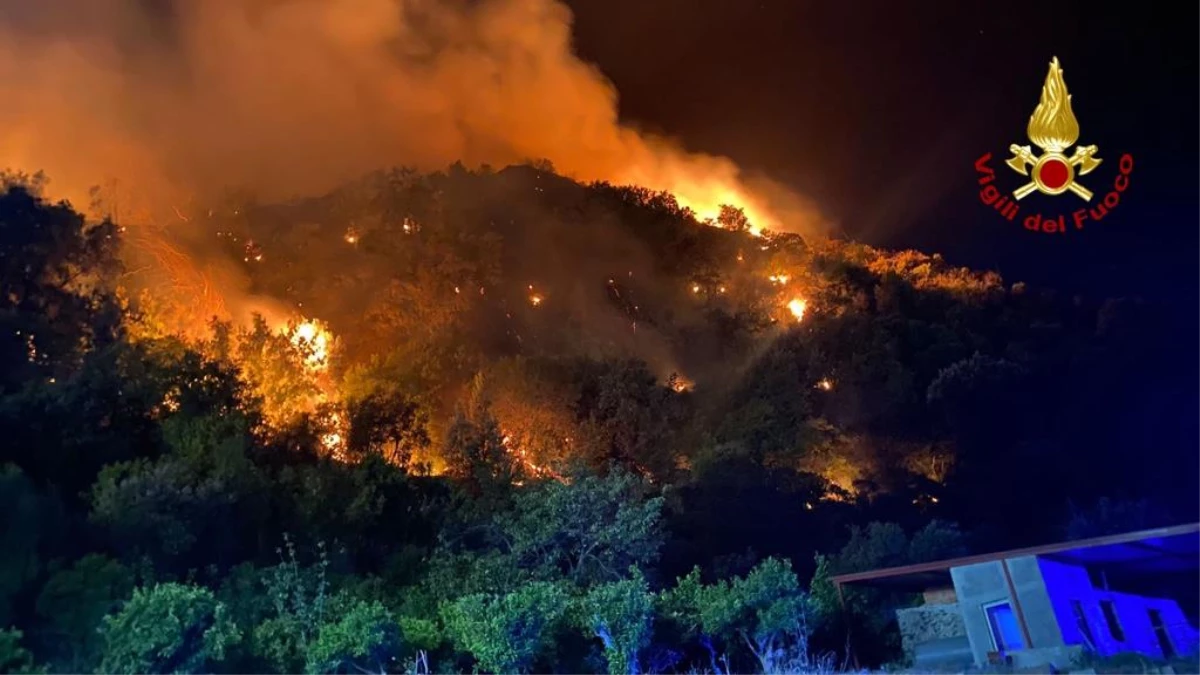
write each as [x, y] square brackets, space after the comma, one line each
[287, 97]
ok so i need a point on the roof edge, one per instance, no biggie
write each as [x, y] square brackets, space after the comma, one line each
[941, 565]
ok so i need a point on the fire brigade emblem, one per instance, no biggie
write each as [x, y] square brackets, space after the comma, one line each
[1053, 128]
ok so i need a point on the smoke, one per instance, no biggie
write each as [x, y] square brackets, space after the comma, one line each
[174, 98]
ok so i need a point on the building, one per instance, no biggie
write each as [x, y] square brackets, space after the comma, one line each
[1039, 606]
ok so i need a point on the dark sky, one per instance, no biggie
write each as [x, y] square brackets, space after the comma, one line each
[878, 110]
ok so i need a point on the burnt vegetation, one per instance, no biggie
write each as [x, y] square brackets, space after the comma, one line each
[541, 406]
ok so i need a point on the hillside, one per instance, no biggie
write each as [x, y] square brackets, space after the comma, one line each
[465, 384]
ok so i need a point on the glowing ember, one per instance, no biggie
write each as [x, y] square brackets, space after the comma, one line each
[535, 299]
[721, 290]
[695, 288]
[779, 278]
[825, 384]
[351, 236]
[679, 383]
[797, 307]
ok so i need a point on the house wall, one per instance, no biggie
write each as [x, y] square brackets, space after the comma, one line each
[985, 583]
[1066, 583]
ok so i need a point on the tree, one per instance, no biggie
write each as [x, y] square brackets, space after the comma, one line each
[73, 603]
[506, 633]
[980, 398]
[1113, 516]
[628, 417]
[13, 657]
[620, 614]
[363, 638]
[589, 530]
[475, 453]
[57, 274]
[33, 520]
[299, 596]
[167, 628]
[163, 509]
[389, 424]
[870, 614]
[733, 218]
[766, 611]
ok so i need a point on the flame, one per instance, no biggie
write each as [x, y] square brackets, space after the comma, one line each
[779, 279]
[695, 288]
[680, 383]
[1053, 126]
[522, 457]
[312, 338]
[351, 236]
[825, 384]
[797, 307]
[334, 440]
[535, 299]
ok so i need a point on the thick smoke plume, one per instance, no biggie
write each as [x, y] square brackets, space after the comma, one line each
[174, 98]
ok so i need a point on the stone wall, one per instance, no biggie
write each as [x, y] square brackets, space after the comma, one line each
[928, 623]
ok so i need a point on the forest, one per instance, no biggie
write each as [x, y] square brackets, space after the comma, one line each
[500, 421]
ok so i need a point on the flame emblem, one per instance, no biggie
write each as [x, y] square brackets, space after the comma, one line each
[1053, 128]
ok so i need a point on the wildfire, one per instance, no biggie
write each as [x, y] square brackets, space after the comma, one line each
[522, 457]
[312, 338]
[334, 440]
[535, 298]
[780, 279]
[797, 307]
[679, 383]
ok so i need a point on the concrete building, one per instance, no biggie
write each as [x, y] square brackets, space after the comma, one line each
[1040, 606]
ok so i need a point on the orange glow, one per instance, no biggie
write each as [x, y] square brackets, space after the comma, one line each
[825, 384]
[312, 338]
[797, 307]
[535, 299]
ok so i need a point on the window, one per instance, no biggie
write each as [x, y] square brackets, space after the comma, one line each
[1006, 632]
[1085, 628]
[1110, 615]
[1160, 632]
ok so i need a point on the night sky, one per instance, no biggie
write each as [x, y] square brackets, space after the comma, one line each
[880, 112]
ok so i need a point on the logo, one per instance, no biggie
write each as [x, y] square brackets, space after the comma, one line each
[1053, 128]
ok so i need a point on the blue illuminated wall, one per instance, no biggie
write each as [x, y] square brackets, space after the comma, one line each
[1067, 583]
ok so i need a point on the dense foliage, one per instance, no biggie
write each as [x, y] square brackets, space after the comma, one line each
[563, 428]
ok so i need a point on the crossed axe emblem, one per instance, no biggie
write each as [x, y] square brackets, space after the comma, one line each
[1053, 172]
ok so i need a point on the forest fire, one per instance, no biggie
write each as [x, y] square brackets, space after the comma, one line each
[679, 383]
[797, 307]
[312, 338]
[334, 440]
